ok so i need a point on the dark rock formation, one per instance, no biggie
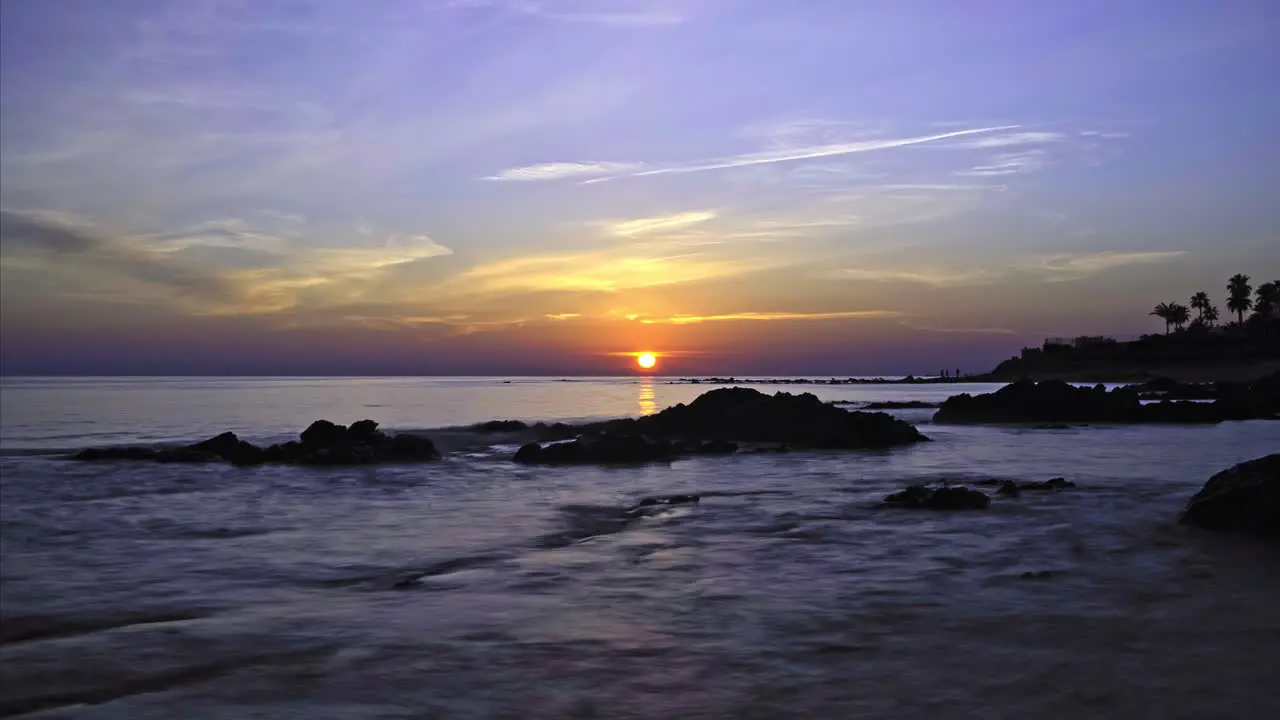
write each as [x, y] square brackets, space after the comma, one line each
[1009, 488]
[1058, 402]
[604, 449]
[1050, 484]
[322, 443]
[716, 447]
[1244, 499]
[747, 415]
[900, 405]
[232, 449]
[496, 426]
[713, 424]
[555, 431]
[947, 497]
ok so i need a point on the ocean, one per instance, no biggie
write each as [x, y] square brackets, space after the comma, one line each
[157, 591]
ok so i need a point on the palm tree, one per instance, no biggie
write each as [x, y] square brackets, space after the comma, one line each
[1238, 291]
[1179, 315]
[1164, 311]
[1210, 316]
[1268, 298]
[1199, 302]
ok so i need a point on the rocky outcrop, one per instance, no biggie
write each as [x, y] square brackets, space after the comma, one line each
[1053, 401]
[1012, 488]
[1242, 499]
[900, 405]
[947, 497]
[497, 426]
[714, 424]
[747, 415]
[322, 443]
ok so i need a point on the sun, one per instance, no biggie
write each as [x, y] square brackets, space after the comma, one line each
[646, 360]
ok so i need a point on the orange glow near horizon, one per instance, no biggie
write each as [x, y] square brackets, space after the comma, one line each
[646, 360]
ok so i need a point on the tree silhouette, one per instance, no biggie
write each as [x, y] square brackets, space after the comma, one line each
[1199, 302]
[1268, 299]
[1238, 291]
[1209, 316]
[1164, 311]
[1179, 315]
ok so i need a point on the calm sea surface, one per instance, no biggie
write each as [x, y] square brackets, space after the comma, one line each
[148, 591]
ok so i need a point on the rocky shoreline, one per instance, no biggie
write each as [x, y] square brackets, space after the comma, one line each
[1160, 401]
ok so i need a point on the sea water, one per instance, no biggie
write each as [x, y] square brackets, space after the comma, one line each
[158, 591]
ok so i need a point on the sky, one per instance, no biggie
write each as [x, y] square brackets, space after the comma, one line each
[539, 187]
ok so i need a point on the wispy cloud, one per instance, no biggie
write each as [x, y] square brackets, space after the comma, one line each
[1007, 164]
[556, 171]
[605, 271]
[641, 226]
[768, 316]
[562, 316]
[938, 277]
[1010, 140]
[1072, 266]
[62, 241]
[562, 170]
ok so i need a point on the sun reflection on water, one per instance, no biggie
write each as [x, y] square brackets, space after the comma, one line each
[647, 404]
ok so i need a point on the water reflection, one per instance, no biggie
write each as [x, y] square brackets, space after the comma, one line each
[647, 404]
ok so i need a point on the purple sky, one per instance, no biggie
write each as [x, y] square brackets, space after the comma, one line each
[542, 186]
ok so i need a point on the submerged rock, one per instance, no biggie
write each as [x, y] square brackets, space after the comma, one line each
[116, 453]
[1009, 488]
[605, 449]
[322, 443]
[651, 502]
[1244, 499]
[947, 497]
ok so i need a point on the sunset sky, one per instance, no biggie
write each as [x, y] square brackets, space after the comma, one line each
[544, 186]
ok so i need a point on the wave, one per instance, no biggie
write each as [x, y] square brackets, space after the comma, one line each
[32, 628]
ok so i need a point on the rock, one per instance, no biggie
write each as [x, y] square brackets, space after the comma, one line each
[1009, 488]
[1243, 499]
[748, 415]
[1054, 402]
[555, 431]
[288, 452]
[948, 497]
[716, 447]
[650, 502]
[323, 443]
[116, 453]
[528, 454]
[604, 449]
[1050, 484]
[900, 405]
[364, 431]
[186, 455]
[405, 447]
[1045, 402]
[323, 433]
[494, 426]
[232, 449]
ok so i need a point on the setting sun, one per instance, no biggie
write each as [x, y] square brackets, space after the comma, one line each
[646, 360]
